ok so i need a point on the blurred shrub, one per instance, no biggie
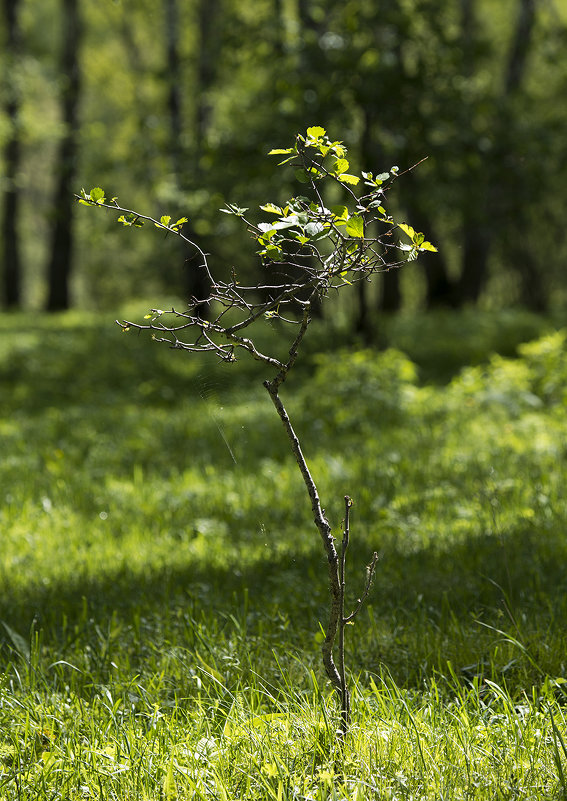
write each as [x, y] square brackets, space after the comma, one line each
[354, 389]
[443, 342]
[536, 378]
[547, 362]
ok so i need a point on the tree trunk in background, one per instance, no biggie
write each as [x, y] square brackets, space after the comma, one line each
[279, 29]
[520, 48]
[195, 279]
[440, 291]
[521, 255]
[174, 85]
[11, 261]
[475, 234]
[390, 298]
[476, 242]
[61, 258]
[486, 206]
[209, 44]
[391, 293]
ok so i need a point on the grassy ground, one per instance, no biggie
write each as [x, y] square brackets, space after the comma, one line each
[162, 583]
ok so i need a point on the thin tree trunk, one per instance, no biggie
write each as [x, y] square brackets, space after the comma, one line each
[174, 84]
[279, 29]
[390, 299]
[209, 44]
[440, 291]
[61, 258]
[391, 293]
[523, 259]
[486, 206]
[475, 236]
[476, 241]
[520, 47]
[11, 260]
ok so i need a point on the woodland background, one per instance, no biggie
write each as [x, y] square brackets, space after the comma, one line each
[173, 106]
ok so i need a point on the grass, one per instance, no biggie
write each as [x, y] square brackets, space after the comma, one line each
[162, 582]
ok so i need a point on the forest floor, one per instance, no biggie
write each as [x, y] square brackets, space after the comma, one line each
[163, 588]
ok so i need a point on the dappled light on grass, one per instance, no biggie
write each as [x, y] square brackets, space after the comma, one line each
[158, 634]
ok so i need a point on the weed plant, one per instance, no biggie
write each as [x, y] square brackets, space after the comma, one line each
[155, 639]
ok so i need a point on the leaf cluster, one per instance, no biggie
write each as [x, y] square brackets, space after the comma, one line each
[336, 233]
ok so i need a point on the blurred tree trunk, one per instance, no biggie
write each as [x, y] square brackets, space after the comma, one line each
[194, 277]
[209, 45]
[279, 29]
[439, 289]
[475, 236]
[493, 198]
[11, 260]
[61, 257]
[390, 298]
[522, 257]
[391, 293]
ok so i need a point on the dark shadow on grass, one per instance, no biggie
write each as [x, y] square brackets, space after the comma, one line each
[428, 608]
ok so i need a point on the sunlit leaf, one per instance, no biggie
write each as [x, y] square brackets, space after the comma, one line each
[97, 194]
[428, 246]
[316, 132]
[407, 229]
[355, 226]
[314, 228]
[232, 209]
[349, 179]
[340, 213]
[271, 208]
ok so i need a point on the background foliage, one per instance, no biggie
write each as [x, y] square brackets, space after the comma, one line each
[177, 105]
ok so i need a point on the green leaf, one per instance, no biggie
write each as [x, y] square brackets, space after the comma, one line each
[348, 179]
[271, 208]
[271, 251]
[316, 132]
[302, 176]
[265, 227]
[341, 166]
[180, 221]
[278, 151]
[355, 226]
[407, 229]
[130, 219]
[340, 213]
[314, 228]
[428, 246]
[97, 194]
[232, 209]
